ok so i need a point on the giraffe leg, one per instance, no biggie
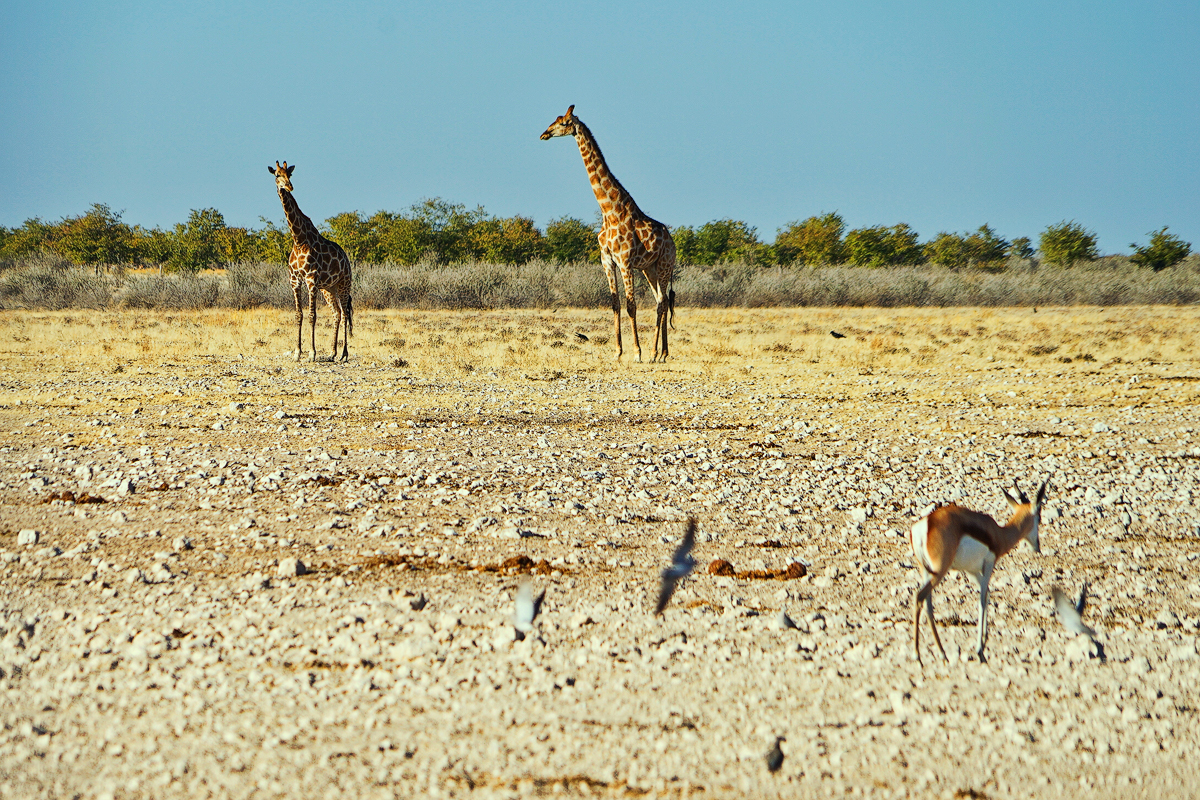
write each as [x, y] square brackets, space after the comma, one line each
[299, 318]
[631, 307]
[605, 259]
[312, 319]
[349, 303]
[336, 307]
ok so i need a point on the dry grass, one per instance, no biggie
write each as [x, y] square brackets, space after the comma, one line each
[926, 351]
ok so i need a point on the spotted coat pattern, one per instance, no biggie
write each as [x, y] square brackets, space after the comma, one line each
[318, 264]
[629, 240]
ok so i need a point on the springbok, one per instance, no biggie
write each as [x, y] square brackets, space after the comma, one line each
[952, 537]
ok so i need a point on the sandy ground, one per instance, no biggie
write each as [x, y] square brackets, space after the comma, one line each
[160, 644]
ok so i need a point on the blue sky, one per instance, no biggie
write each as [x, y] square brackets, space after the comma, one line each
[944, 115]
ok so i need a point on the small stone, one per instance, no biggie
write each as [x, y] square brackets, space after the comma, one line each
[1166, 619]
[181, 543]
[134, 575]
[28, 537]
[858, 515]
[235, 407]
[290, 568]
[1099, 427]
[218, 426]
[118, 518]
[125, 486]
[1139, 665]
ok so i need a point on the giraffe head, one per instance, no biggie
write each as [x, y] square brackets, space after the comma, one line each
[283, 175]
[563, 126]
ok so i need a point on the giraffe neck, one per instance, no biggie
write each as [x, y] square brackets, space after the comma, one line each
[615, 202]
[302, 228]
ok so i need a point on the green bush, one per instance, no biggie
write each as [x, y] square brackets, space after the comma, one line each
[569, 239]
[980, 248]
[1067, 243]
[880, 246]
[1165, 250]
[718, 241]
[98, 237]
[1021, 248]
[816, 240]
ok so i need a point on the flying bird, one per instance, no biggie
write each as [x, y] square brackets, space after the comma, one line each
[775, 757]
[1071, 615]
[527, 608]
[681, 564]
[837, 335]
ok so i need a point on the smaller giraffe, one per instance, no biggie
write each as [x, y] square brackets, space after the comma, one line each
[321, 265]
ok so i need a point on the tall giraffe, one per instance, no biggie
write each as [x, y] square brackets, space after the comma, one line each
[320, 264]
[628, 238]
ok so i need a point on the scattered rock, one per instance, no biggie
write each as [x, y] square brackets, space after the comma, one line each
[28, 537]
[290, 568]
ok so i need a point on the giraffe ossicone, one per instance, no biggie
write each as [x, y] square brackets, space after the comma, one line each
[629, 240]
[321, 265]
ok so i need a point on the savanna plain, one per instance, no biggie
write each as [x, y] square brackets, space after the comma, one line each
[225, 573]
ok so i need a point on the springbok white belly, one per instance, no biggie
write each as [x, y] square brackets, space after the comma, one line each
[970, 556]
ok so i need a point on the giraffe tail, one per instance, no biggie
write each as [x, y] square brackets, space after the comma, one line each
[349, 316]
[671, 306]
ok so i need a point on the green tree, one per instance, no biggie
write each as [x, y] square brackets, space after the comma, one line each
[1165, 250]
[274, 241]
[954, 250]
[197, 243]
[1066, 243]
[947, 250]
[569, 240]
[721, 240]
[32, 237]
[402, 239]
[816, 240]
[98, 237]
[449, 228]
[685, 244]
[510, 240]
[985, 247]
[1022, 248]
[359, 237]
[152, 246]
[880, 246]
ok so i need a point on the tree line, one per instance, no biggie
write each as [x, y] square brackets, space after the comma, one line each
[451, 233]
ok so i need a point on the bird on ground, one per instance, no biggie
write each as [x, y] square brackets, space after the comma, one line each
[1071, 615]
[775, 757]
[681, 564]
[581, 337]
[837, 335]
[527, 609]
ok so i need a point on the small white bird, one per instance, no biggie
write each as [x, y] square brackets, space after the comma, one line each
[527, 608]
[681, 564]
[1071, 615]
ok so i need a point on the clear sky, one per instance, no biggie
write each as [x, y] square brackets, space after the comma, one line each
[944, 115]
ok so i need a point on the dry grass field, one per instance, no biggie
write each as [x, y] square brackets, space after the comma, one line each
[156, 641]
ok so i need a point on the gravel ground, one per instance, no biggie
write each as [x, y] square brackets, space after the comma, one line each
[300, 580]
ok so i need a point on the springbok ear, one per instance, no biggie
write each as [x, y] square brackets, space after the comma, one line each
[1014, 502]
[1020, 494]
[271, 170]
[290, 169]
[570, 112]
[1041, 495]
